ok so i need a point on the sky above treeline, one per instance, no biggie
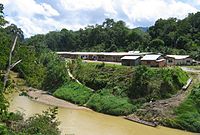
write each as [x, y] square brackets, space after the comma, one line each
[41, 16]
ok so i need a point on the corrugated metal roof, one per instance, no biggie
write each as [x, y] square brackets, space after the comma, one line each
[150, 57]
[105, 53]
[178, 57]
[130, 57]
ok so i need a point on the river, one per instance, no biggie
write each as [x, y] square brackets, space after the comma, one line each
[87, 122]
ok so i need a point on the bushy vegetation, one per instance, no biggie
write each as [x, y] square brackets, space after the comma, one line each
[187, 115]
[30, 69]
[34, 73]
[118, 88]
[117, 78]
[156, 83]
[133, 82]
[5, 43]
[40, 67]
[101, 102]
[74, 93]
[110, 104]
[40, 124]
[56, 73]
[42, 70]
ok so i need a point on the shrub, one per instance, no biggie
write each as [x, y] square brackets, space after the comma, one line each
[74, 93]
[42, 70]
[100, 76]
[156, 83]
[137, 82]
[44, 124]
[56, 72]
[3, 129]
[110, 104]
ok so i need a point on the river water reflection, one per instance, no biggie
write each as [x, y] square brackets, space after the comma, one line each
[86, 122]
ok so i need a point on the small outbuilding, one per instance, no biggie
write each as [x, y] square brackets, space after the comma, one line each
[173, 60]
[130, 60]
[153, 60]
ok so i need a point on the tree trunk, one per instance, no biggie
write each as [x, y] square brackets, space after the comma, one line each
[10, 66]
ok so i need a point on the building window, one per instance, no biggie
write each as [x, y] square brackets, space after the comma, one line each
[170, 61]
[188, 61]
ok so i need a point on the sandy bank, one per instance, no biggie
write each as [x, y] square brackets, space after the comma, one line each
[44, 97]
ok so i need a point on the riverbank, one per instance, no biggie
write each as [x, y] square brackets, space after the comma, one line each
[45, 98]
[83, 122]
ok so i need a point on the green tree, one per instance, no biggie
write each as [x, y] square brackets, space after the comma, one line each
[45, 124]
[183, 42]
[140, 82]
[2, 20]
[113, 48]
[13, 30]
[30, 68]
[5, 44]
[156, 44]
[56, 72]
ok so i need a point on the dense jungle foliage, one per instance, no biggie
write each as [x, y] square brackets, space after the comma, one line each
[168, 36]
[35, 69]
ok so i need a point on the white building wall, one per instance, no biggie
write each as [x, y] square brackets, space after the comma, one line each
[175, 62]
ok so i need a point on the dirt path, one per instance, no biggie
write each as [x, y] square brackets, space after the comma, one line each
[159, 109]
[73, 78]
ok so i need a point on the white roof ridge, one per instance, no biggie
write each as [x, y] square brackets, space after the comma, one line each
[130, 57]
[178, 56]
[151, 57]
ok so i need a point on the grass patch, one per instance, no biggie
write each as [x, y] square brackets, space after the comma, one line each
[73, 92]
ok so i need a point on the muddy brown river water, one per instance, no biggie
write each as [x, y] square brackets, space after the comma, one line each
[87, 122]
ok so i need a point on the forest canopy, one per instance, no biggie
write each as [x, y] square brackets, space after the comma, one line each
[168, 36]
